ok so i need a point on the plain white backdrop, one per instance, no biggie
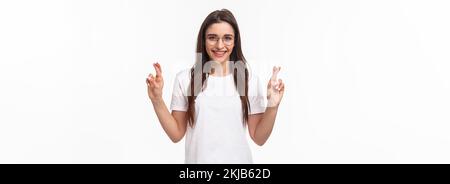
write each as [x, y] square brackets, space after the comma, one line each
[366, 81]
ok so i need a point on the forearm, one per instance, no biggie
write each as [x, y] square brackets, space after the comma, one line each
[265, 126]
[167, 121]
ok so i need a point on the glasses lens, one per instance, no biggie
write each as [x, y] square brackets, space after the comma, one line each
[227, 40]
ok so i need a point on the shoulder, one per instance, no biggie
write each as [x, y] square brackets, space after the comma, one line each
[182, 80]
[183, 77]
[183, 74]
[254, 79]
[255, 85]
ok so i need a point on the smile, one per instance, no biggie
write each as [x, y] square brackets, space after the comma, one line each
[219, 53]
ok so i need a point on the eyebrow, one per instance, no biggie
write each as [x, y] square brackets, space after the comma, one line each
[217, 35]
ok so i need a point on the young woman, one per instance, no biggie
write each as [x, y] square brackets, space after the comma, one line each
[216, 100]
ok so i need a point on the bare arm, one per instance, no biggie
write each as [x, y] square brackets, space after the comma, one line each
[173, 124]
[260, 126]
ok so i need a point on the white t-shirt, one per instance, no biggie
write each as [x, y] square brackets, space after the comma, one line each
[218, 134]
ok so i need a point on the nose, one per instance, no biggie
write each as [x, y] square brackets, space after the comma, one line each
[220, 44]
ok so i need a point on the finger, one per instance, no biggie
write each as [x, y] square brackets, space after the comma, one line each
[275, 71]
[151, 80]
[273, 84]
[150, 76]
[279, 84]
[281, 87]
[158, 69]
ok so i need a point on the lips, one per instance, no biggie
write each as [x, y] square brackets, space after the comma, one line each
[219, 53]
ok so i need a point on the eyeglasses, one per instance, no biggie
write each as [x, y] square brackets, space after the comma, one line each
[213, 39]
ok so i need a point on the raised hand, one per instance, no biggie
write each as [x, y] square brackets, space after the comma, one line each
[155, 83]
[275, 89]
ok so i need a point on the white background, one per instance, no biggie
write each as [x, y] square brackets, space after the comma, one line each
[366, 81]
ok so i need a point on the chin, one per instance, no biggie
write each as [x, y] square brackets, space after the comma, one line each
[220, 60]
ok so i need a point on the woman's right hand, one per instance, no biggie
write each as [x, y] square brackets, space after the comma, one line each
[155, 84]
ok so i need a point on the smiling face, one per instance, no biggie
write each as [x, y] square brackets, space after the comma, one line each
[219, 41]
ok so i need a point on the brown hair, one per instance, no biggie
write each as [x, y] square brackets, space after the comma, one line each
[218, 16]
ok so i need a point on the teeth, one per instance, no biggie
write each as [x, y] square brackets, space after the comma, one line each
[219, 53]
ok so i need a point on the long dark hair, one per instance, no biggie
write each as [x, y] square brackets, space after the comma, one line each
[218, 16]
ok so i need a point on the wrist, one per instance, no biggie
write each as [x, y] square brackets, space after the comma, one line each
[272, 104]
[273, 107]
[157, 100]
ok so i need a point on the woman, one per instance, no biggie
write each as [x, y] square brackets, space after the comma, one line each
[216, 100]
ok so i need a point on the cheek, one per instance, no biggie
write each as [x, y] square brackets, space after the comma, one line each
[208, 48]
[230, 50]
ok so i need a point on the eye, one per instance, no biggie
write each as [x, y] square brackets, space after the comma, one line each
[212, 38]
[228, 38]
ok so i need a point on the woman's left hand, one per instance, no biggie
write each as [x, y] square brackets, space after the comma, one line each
[275, 89]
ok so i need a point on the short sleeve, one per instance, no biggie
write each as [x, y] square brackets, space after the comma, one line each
[179, 99]
[256, 96]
